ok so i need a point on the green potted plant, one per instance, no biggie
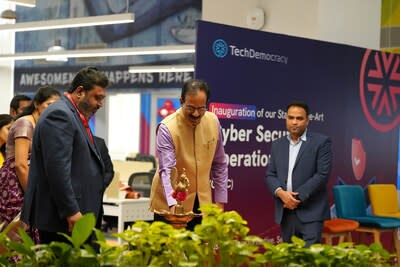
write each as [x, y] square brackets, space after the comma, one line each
[222, 239]
[344, 254]
[77, 253]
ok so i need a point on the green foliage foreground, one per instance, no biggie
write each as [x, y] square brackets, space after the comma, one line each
[221, 240]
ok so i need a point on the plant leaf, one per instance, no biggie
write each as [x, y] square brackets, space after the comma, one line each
[99, 235]
[26, 239]
[66, 236]
[83, 229]
[89, 249]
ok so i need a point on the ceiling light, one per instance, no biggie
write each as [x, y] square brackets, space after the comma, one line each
[69, 23]
[162, 68]
[8, 14]
[106, 52]
[57, 47]
[27, 3]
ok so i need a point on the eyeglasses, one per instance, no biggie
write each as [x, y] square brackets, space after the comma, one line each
[192, 109]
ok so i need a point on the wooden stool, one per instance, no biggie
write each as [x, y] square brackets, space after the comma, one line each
[337, 227]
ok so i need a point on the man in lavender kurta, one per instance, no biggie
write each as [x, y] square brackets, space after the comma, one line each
[190, 138]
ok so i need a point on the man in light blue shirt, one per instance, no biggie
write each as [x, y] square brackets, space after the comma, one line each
[297, 177]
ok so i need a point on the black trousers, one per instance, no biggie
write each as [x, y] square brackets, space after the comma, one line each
[292, 226]
[190, 226]
[47, 237]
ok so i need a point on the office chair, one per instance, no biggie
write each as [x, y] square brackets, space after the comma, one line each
[146, 158]
[141, 182]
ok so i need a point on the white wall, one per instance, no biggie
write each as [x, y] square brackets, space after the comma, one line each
[123, 124]
[353, 22]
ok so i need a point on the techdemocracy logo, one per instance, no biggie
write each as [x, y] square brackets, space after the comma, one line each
[221, 49]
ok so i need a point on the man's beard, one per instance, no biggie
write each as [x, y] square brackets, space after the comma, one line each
[86, 109]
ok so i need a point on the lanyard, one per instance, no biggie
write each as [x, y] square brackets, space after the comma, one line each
[83, 119]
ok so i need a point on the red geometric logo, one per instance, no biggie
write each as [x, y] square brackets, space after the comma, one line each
[380, 89]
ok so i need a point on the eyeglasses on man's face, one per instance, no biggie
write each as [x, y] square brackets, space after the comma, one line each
[192, 109]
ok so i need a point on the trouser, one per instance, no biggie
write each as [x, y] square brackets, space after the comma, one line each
[291, 225]
[47, 237]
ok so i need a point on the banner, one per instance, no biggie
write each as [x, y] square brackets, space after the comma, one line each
[29, 79]
[352, 93]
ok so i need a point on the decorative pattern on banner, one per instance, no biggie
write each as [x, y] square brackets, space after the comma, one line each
[380, 89]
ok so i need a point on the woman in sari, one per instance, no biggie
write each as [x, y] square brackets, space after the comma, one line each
[14, 173]
[5, 125]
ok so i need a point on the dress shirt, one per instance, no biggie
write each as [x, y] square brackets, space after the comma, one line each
[167, 161]
[294, 148]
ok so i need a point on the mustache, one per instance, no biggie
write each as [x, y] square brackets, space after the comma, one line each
[194, 117]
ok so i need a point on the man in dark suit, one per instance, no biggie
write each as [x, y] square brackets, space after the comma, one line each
[66, 175]
[297, 177]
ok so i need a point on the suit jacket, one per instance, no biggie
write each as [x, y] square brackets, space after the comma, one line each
[309, 177]
[108, 172]
[105, 156]
[66, 171]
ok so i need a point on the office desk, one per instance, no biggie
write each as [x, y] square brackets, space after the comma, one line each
[128, 210]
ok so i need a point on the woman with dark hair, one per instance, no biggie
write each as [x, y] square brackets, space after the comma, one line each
[14, 174]
[5, 124]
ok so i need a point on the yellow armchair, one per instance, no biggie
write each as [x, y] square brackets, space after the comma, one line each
[384, 200]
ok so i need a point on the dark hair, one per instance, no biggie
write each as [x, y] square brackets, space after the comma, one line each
[14, 104]
[193, 86]
[300, 105]
[88, 78]
[41, 96]
[5, 119]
